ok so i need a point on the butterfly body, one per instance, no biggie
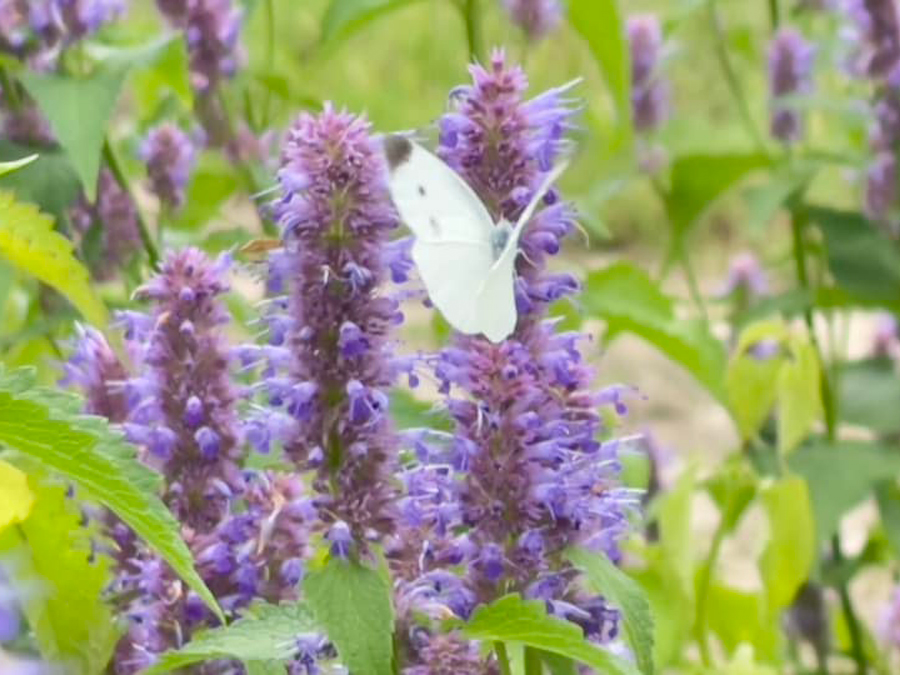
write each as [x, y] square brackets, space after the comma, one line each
[465, 259]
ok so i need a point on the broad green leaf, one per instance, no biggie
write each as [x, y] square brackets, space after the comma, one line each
[50, 181]
[45, 428]
[558, 665]
[49, 557]
[27, 239]
[744, 663]
[766, 199]
[740, 617]
[623, 592]
[870, 395]
[671, 604]
[353, 604]
[17, 497]
[799, 395]
[888, 496]
[840, 476]
[698, 180]
[511, 619]
[789, 555]
[15, 165]
[864, 261]
[672, 510]
[752, 385]
[601, 24]
[79, 111]
[266, 633]
[624, 296]
[343, 17]
[410, 412]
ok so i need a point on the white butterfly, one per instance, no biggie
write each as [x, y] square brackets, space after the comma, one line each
[466, 261]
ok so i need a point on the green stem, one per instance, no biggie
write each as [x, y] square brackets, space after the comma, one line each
[533, 663]
[799, 220]
[706, 575]
[502, 658]
[472, 18]
[734, 85]
[116, 168]
[10, 90]
[774, 14]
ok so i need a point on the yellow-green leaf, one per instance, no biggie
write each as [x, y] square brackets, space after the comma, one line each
[28, 240]
[17, 497]
[799, 395]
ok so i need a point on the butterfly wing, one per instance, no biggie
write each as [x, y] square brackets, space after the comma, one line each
[494, 303]
[431, 198]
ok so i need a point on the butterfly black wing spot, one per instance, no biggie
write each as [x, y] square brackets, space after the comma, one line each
[422, 190]
[397, 149]
[434, 225]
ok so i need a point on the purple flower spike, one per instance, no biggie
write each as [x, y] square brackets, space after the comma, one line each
[790, 73]
[878, 23]
[536, 18]
[334, 330]
[649, 92]
[169, 155]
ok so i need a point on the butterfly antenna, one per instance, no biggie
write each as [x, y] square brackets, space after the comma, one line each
[545, 186]
[584, 233]
[265, 193]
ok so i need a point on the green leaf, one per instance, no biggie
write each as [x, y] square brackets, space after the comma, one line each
[698, 180]
[671, 604]
[629, 300]
[15, 165]
[840, 476]
[27, 239]
[45, 427]
[266, 633]
[79, 111]
[752, 386]
[620, 590]
[789, 555]
[511, 619]
[17, 497]
[870, 395]
[672, 510]
[600, 23]
[353, 604]
[344, 17]
[50, 181]
[558, 665]
[49, 556]
[732, 488]
[799, 395]
[864, 261]
[738, 617]
[212, 183]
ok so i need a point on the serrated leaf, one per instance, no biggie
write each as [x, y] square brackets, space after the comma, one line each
[27, 239]
[343, 17]
[629, 300]
[840, 476]
[45, 428]
[50, 181]
[15, 165]
[79, 111]
[353, 604]
[267, 636]
[49, 558]
[799, 395]
[512, 619]
[601, 24]
[789, 555]
[17, 497]
[623, 592]
[699, 180]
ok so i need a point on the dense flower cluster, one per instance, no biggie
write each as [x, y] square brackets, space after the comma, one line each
[115, 215]
[169, 155]
[212, 31]
[523, 476]
[878, 24]
[790, 71]
[536, 18]
[649, 92]
[330, 357]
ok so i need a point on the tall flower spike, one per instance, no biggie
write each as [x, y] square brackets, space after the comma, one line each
[649, 92]
[524, 475]
[790, 73]
[169, 154]
[212, 30]
[336, 218]
[183, 404]
[536, 18]
[878, 22]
